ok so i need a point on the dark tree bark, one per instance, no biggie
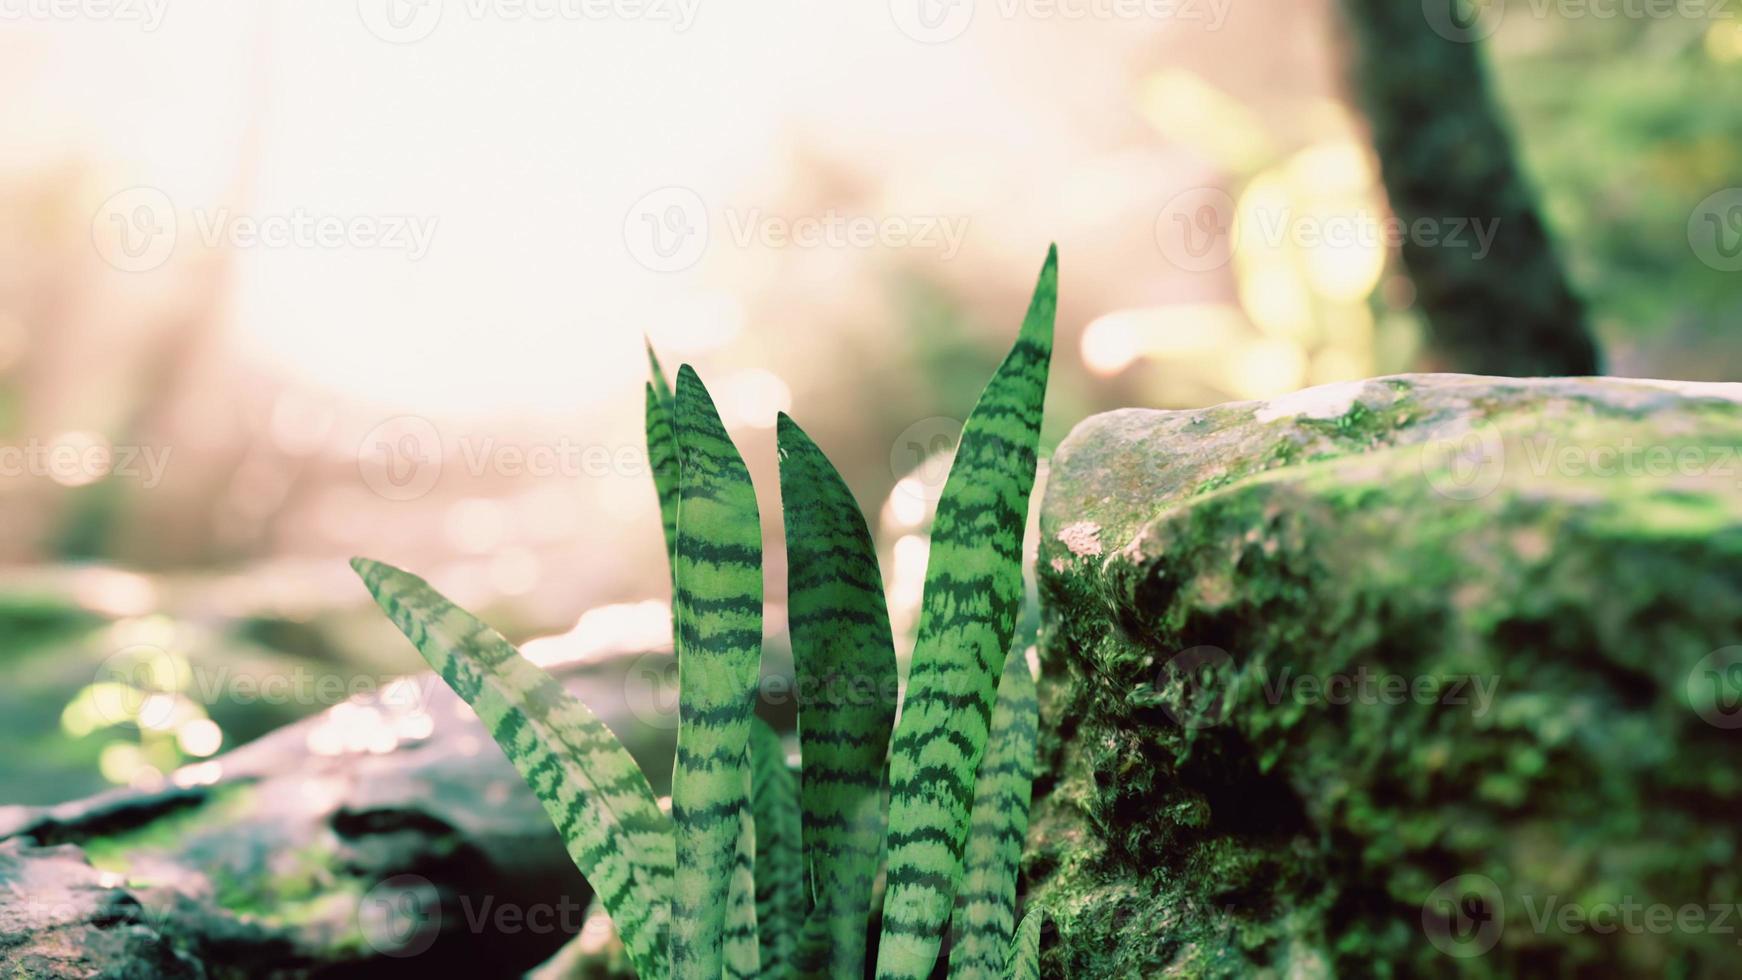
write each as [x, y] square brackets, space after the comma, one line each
[1446, 156]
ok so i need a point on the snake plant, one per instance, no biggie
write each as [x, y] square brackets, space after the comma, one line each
[756, 870]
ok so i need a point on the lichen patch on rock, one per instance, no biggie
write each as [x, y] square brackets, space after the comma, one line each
[1082, 539]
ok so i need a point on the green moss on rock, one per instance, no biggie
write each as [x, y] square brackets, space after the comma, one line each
[1321, 672]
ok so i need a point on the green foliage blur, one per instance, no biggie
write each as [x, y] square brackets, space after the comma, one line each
[1627, 126]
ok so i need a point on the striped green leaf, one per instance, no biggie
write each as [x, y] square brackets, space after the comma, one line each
[1023, 960]
[985, 916]
[844, 659]
[813, 948]
[779, 868]
[662, 452]
[718, 609]
[743, 953]
[973, 591]
[591, 788]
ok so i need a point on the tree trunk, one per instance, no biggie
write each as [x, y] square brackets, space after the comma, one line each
[1447, 160]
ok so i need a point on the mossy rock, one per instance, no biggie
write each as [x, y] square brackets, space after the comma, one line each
[1385, 677]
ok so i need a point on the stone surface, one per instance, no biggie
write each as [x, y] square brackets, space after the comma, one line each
[1383, 678]
[64, 918]
[388, 836]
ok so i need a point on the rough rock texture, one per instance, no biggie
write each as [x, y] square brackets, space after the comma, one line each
[385, 837]
[1382, 678]
[64, 918]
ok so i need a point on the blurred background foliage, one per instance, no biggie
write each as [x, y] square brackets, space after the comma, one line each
[1623, 126]
[147, 625]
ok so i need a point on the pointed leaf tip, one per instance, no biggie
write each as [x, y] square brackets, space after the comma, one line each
[1049, 273]
[694, 406]
[660, 387]
[788, 433]
[366, 567]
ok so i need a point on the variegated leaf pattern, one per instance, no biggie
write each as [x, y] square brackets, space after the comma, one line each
[985, 916]
[718, 610]
[844, 659]
[973, 591]
[743, 952]
[1023, 961]
[599, 800]
[814, 945]
[779, 867]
